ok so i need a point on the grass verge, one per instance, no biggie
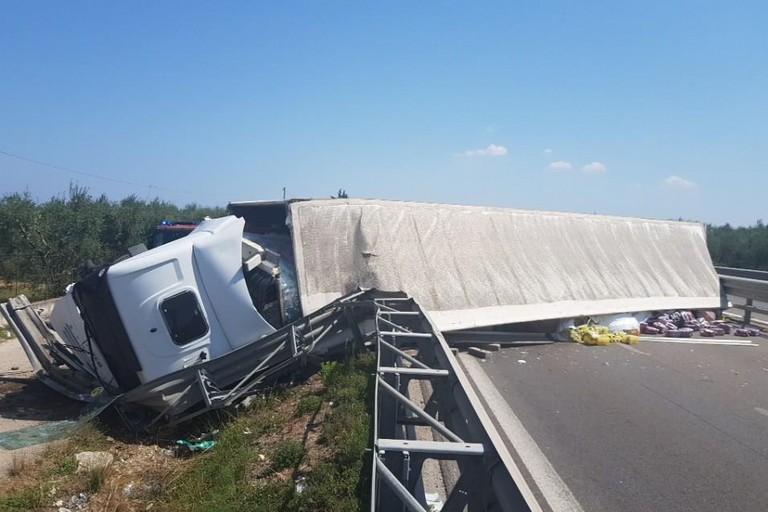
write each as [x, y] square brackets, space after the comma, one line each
[299, 449]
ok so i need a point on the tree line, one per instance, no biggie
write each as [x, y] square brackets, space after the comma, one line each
[740, 247]
[42, 245]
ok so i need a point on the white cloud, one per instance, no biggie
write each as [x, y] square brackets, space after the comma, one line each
[561, 165]
[594, 167]
[492, 150]
[678, 182]
[548, 151]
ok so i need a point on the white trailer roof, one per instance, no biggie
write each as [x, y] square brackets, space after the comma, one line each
[475, 266]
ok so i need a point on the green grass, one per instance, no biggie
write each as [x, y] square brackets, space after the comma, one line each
[254, 466]
[216, 479]
[24, 500]
[288, 454]
[63, 466]
[223, 478]
[309, 404]
[96, 478]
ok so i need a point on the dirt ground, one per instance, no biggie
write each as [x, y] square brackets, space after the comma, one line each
[25, 402]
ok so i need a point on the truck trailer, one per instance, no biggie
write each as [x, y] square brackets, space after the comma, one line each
[243, 295]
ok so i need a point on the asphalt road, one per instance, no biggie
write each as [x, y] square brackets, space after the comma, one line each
[650, 427]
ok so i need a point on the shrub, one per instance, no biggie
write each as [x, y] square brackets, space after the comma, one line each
[309, 404]
[288, 454]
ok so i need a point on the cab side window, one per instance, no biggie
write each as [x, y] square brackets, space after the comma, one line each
[184, 318]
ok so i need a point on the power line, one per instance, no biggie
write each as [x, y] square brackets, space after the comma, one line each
[91, 175]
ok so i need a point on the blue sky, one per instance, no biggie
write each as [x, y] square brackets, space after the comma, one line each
[653, 109]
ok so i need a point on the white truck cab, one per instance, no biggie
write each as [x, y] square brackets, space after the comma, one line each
[168, 308]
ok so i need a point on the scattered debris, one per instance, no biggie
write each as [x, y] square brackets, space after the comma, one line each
[434, 503]
[479, 352]
[746, 332]
[661, 326]
[204, 441]
[77, 502]
[683, 324]
[198, 446]
[301, 484]
[596, 334]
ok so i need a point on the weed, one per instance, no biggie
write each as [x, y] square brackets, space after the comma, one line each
[88, 436]
[215, 479]
[30, 498]
[288, 454]
[347, 429]
[328, 371]
[333, 487]
[276, 496]
[96, 478]
[65, 465]
[309, 404]
[18, 465]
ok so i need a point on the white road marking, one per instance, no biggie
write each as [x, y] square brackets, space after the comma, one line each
[761, 411]
[552, 487]
[735, 343]
[633, 349]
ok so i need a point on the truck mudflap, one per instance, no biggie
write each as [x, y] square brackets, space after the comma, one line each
[52, 362]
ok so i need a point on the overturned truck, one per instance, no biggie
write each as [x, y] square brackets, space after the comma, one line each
[205, 321]
[246, 297]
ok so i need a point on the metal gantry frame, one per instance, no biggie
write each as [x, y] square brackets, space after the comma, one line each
[478, 475]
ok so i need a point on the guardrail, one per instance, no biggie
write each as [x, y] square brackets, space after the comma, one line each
[750, 285]
[426, 409]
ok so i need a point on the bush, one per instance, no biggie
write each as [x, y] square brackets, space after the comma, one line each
[309, 405]
[288, 454]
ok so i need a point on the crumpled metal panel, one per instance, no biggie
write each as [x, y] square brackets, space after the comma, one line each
[475, 266]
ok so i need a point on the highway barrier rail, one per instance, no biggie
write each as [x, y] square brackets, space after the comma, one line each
[426, 409]
[750, 285]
